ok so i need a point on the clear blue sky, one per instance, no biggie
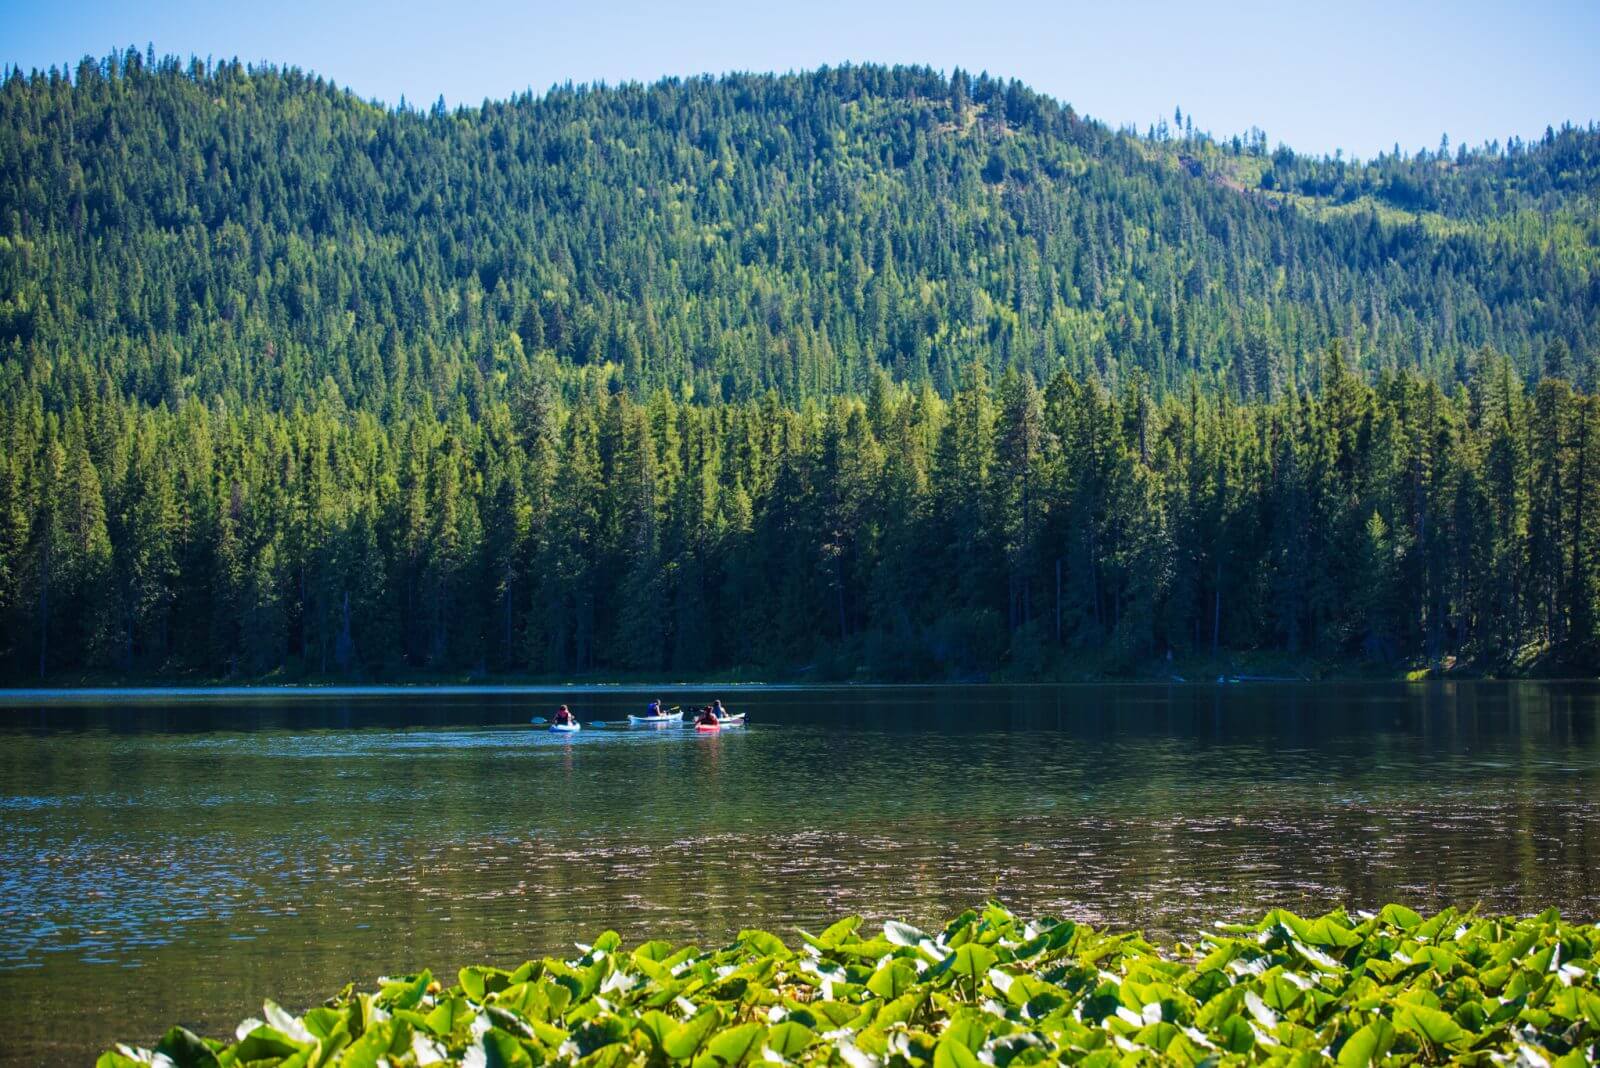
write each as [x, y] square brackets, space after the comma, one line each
[1358, 76]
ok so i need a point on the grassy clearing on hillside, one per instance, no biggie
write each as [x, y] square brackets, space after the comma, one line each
[988, 989]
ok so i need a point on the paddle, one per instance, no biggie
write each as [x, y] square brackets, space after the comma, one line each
[538, 721]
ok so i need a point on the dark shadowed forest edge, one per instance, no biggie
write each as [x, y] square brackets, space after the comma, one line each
[862, 373]
[1245, 668]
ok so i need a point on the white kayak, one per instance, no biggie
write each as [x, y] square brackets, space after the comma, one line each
[725, 721]
[566, 728]
[646, 721]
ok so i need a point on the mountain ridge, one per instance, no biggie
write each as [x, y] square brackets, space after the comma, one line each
[722, 237]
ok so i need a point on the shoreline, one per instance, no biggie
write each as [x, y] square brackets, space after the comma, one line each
[146, 690]
[1069, 668]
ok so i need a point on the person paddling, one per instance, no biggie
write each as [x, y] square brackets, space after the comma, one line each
[654, 709]
[563, 716]
[718, 711]
[707, 717]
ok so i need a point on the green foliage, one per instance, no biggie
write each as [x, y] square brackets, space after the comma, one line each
[901, 537]
[865, 371]
[171, 231]
[1392, 988]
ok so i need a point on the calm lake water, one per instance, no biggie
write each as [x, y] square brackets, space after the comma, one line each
[175, 858]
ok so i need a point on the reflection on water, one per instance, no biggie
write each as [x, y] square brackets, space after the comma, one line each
[185, 858]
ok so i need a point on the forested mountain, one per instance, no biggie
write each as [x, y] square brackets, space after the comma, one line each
[861, 371]
[266, 237]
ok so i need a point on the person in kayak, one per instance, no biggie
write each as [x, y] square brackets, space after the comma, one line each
[717, 709]
[707, 717]
[563, 716]
[654, 710]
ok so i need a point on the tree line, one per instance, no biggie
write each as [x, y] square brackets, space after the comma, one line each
[897, 534]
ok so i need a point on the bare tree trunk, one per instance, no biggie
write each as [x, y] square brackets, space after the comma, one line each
[510, 651]
[839, 597]
[1094, 583]
[44, 607]
[1027, 527]
[1435, 592]
[1577, 507]
[1144, 428]
[344, 648]
[1058, 600]
[1216, 611]
[1419, 516]
[438, 622]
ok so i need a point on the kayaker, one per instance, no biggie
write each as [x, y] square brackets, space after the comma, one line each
[706, 718]
[563, 716]
[717, 709]
[653, 710]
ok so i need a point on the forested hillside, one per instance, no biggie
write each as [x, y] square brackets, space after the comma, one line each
[863, 371]
[267, 238]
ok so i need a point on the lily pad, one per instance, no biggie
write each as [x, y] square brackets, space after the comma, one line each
[989, 990]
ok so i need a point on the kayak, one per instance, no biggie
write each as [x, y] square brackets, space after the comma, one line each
[645, 721]
[566, 728]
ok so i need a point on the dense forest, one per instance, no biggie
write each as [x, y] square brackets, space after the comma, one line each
[899, 534]
[864, 371]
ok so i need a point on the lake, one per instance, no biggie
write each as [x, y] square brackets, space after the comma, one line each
[173, 857]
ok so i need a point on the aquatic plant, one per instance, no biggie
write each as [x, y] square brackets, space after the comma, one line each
[989, 989]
